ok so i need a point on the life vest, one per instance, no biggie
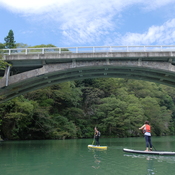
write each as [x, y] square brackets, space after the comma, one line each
[147, 128]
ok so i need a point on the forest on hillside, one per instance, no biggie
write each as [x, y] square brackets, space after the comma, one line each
[118, 107]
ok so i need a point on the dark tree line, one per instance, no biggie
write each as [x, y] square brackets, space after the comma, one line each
[118, 107]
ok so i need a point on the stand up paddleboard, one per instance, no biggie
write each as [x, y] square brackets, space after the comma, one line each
[149, 152]
[98, 147]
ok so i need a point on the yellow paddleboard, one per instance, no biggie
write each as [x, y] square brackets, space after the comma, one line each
[97, 147]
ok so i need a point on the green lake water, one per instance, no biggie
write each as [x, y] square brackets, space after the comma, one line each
[72, 157]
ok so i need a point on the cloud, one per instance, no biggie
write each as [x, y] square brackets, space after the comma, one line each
[155, 4]
[31, 6]
[162, 35]
[81, 21]
[78, 20]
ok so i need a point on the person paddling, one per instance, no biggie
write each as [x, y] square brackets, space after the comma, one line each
[147, 133]
[97, 136]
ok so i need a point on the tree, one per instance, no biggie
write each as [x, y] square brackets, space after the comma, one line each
[3, 64]
[158, 116]
[2, 46]
[9, 40]
[22, 45]
[16, 116]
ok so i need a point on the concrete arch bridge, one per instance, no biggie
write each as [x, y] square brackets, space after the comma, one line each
[34, 68]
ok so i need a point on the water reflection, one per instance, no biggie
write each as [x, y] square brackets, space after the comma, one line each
[151, 160]
[150, 167]
[159, 158]
[97, 157]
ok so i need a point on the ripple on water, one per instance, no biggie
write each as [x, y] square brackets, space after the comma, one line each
[159, 158]
[115, 161]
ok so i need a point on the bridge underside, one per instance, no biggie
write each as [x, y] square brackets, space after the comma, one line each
[159, 72]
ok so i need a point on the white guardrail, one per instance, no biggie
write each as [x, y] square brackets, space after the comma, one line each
[89, 49]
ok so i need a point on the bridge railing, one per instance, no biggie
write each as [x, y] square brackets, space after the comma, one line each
[88, 49]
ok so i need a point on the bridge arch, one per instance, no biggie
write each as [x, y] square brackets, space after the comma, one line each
[49, 69]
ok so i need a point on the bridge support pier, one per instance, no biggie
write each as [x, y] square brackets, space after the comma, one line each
[6, 75]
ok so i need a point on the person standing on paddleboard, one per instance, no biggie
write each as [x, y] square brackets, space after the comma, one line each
[147, 133]
[97, 136]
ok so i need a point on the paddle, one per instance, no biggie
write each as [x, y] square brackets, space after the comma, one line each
[94, 137]
[154, 147]
[93, 141]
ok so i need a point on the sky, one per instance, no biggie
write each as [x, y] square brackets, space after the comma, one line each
[73, 23]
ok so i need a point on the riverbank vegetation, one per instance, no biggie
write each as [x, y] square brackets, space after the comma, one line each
[118, 107]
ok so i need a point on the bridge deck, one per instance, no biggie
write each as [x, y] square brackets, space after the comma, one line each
[32, 71]
[26, 62]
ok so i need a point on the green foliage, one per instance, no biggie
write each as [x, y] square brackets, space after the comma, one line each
[118, 107]
[107, 85]
[9, 40]
[91, 97]
[2, 46]
[43, 46]
[21, 45]
[63, 128]
[48, 46]
[3, 64]
[18, 117]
